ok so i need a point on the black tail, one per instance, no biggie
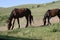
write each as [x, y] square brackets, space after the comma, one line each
[31, 17]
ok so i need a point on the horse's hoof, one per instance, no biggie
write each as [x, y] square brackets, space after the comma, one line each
[25, 27]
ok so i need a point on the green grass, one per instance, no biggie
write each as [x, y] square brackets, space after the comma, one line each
[51, 32]
[3, 20]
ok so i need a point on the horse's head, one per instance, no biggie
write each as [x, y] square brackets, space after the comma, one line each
[44, 21]
[44, 18]
[8, 21]
[8, 25]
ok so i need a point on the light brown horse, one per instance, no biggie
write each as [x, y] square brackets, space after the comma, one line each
[51, 13]
[19, 13]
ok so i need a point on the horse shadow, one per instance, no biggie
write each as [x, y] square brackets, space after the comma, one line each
[40, 26]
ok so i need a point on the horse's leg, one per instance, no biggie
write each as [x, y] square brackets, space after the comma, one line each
[30, 19]
[49, 21]
[27, 22]
[44, 20]
[59, 17]
[13, 23]
[18, 22]
[9, 26]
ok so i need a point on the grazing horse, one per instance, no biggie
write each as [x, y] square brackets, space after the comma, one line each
[51, 13]
[19, 13]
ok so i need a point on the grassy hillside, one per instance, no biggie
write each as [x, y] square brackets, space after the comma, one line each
[50, 32]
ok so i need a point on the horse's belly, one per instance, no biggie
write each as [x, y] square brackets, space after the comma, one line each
[20, 16]
[53, 15]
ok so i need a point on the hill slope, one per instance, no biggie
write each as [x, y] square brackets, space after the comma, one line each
[38, 10]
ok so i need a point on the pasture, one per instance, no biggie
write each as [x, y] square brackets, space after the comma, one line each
[34, 32]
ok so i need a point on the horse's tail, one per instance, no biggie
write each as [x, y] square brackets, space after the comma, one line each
[32, 18]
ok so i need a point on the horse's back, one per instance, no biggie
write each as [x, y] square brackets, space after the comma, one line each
[53, 12]
[21, 12]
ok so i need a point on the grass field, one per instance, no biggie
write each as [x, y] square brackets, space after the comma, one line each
[51, 32]
[36, 31]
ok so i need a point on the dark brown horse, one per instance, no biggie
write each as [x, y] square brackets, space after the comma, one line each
[51, 13]
[19, 13]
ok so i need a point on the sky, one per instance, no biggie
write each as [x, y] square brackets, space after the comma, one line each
[10, 3]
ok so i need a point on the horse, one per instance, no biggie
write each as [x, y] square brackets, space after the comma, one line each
[51, 13]
[19, 13]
